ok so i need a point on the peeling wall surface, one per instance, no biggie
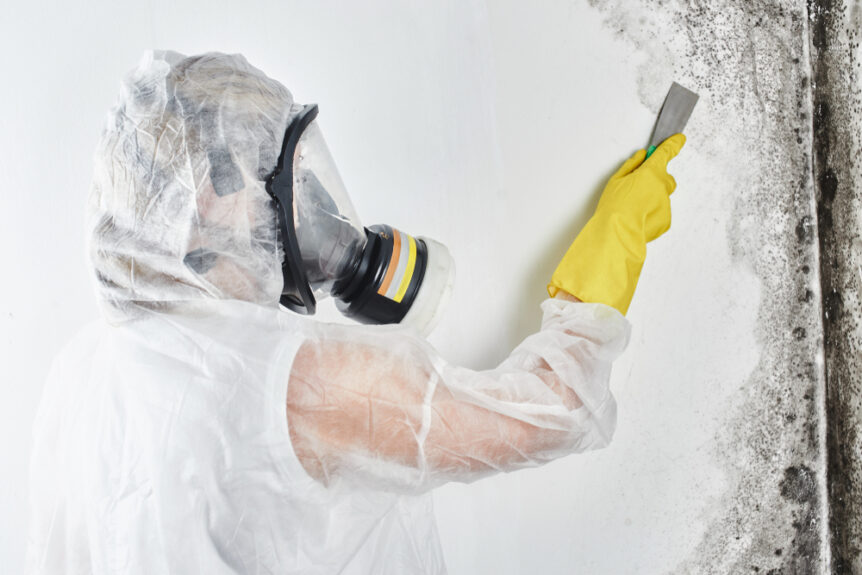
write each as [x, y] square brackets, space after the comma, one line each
[492, 126]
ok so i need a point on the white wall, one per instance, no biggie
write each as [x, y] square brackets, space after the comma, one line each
[494, 127]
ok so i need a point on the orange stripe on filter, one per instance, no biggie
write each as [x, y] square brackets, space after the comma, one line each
[393, 263]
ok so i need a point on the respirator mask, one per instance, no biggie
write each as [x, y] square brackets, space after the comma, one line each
[377, 275]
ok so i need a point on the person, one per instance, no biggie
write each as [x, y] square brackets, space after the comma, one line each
[200, 428]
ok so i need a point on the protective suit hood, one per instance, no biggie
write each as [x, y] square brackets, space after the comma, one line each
[178, 209]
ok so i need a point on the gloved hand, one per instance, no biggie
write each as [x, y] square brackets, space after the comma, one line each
[604, 262]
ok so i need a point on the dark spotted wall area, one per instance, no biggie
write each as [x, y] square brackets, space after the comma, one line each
[780, 104]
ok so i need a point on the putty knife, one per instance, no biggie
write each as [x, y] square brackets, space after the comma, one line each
[674, 114]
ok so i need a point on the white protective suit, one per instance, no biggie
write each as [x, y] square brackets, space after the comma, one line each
[198, 428]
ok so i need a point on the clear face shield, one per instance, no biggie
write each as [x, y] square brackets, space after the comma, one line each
[378, 274]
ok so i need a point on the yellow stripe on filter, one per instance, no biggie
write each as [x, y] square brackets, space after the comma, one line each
[404, 268]
[408, 273]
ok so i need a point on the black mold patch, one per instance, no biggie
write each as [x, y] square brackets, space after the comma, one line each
[832, 305]
[805, 230]
[799, 485]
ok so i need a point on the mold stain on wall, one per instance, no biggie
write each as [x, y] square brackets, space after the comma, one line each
[835, 29]
[751, 62]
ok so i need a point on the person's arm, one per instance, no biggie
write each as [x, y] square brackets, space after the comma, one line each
[384, 410]
[380, 407]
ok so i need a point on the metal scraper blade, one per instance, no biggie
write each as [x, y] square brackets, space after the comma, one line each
[674, 115]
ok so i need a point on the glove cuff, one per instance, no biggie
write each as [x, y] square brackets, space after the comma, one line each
[602, 265]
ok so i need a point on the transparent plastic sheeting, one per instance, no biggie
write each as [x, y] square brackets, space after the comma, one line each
[162, 446]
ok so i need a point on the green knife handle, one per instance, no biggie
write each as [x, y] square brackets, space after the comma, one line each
[649, 151]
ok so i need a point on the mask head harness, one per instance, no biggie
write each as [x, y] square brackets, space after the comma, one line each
[380, 284]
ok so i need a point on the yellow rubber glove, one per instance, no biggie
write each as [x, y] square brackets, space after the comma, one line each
[604, 262]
